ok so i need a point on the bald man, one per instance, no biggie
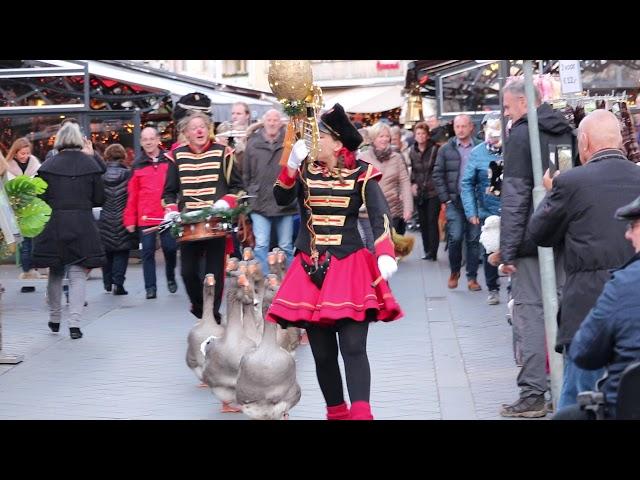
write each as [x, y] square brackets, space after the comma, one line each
[578, 211]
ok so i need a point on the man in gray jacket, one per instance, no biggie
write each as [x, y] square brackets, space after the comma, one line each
[260, 171]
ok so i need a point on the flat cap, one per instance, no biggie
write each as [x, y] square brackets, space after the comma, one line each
[630, 211]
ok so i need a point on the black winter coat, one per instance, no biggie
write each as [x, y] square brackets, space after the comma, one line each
[517, 197]
[446, 172]
[115, 236]
[71, 236]
[579, 212]
[422, 164]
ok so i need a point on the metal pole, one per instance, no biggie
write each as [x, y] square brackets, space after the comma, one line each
[545, 255]
[4, 358]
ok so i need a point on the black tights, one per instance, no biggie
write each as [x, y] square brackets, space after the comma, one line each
[353, 346]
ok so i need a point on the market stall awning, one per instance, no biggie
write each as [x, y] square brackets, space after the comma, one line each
[221, 101]
[366, 99]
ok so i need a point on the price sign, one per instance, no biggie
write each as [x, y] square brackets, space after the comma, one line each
[570, 78]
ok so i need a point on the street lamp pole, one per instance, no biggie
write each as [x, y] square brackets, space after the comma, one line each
[545, 255]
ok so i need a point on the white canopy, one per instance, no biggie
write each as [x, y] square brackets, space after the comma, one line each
[221, 101]
[366, 99]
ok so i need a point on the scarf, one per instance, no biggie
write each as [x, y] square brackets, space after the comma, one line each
[382, 155]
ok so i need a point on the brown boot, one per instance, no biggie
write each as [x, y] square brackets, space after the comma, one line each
[473, 285]
[453, 280]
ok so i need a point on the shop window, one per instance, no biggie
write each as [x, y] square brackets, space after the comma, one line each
[473, 90]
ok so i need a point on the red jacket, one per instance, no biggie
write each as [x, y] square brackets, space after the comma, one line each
[145, 192]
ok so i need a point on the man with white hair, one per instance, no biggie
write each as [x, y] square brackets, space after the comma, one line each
[518, 252]
[260, 172]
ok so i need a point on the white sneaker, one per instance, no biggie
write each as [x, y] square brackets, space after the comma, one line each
[493, 298]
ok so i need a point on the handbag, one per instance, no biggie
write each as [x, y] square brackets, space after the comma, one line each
[316, 275]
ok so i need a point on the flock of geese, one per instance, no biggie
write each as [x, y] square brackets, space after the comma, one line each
[247, 363]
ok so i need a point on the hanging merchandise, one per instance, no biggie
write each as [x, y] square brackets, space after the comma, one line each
[629, 139]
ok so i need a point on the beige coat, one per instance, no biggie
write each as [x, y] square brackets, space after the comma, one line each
[394, 183]
[14, 170]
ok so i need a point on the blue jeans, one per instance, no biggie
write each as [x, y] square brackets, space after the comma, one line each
[262, 232]
[169, 248]
[25, 254]
[576, 380]
[458, 227]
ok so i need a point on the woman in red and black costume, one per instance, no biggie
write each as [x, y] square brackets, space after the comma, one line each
[354, 291]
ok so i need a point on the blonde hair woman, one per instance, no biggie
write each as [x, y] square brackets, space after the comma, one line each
[20, 161]
[395, 183]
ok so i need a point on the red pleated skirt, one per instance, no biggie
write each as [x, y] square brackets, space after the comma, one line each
[347, 292]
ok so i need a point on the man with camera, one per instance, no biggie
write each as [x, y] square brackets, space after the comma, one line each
[578, 212]
[610, 335]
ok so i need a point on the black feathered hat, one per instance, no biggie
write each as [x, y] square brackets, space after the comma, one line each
[631, 211]
[336, 122]
[191, 102]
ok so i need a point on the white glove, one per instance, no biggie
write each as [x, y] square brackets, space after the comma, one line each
[298, 153]
[171, 216]
[222, 205]
[387, 266]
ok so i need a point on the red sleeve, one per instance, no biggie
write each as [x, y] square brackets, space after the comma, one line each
[130, 214]
[284, 180]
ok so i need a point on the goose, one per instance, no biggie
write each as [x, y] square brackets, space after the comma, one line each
[204, 329]
[248, 254]
[288, 338]
[267, 388]
[223, 356]
[251, 325]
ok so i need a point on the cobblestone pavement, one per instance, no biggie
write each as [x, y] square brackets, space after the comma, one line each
[450, 357]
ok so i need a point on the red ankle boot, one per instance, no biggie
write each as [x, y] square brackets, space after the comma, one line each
[361, 410]
[338, 412]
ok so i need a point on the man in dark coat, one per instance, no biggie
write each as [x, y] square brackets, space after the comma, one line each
[447, 176]
[518, 252]
[610, 335]
[578, 211]
[70, 238]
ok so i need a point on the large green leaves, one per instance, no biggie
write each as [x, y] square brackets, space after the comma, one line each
[32, 212]
[33, 218]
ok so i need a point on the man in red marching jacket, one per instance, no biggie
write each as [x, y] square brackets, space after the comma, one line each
[204, 175]
[144, 209]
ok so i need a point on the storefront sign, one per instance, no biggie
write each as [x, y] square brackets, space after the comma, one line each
[570, 78]
[388, 65]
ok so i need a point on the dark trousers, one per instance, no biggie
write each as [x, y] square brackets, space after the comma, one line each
[353, 347]
[191, 254]
[491, 275]
[25, 254]
[114, 270]
[428, 211]
[170, 251]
